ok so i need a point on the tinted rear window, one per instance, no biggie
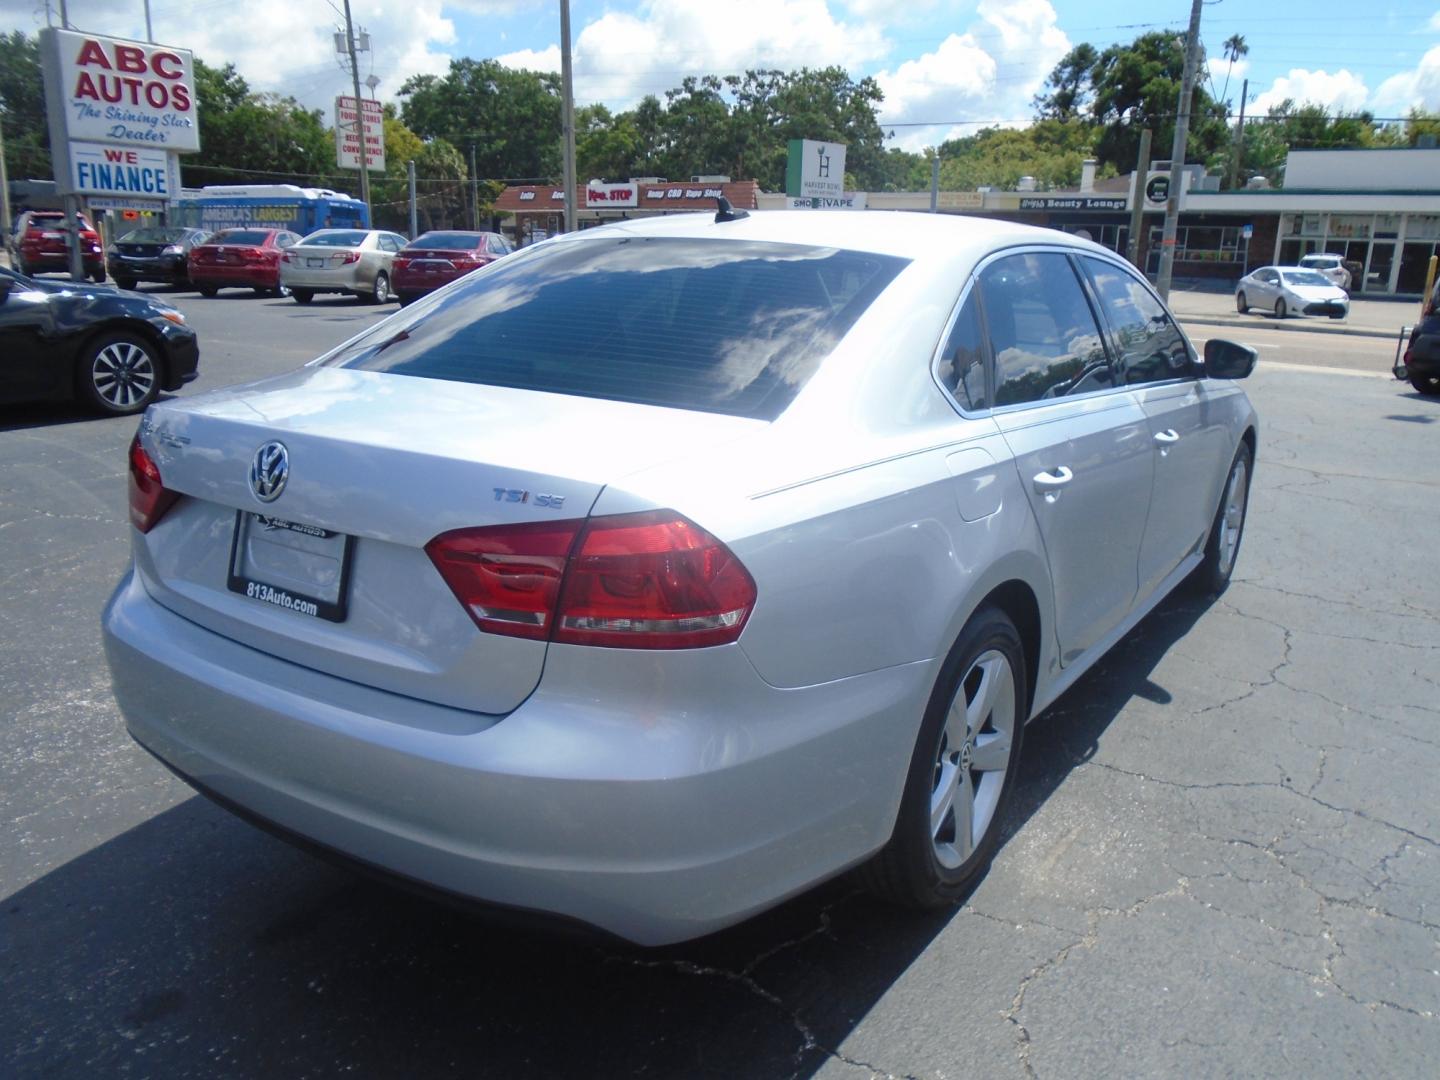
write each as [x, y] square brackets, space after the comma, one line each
[336, 238]
[453, 241]
[153, 236]
[725, 326]
[240, 236]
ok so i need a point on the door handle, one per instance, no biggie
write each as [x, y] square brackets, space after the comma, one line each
[1166, 437]
[1050, 483]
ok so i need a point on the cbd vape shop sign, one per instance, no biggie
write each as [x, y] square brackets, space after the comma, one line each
[109, 90]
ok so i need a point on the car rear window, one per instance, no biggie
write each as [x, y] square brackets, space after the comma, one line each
[153, 236]
[240, 236]
[453, 241]
[724, 326]
[336, 238]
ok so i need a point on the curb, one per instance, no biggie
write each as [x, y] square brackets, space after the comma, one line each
[1302, 326]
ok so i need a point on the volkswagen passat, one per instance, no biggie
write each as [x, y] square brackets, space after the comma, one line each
[655, 573]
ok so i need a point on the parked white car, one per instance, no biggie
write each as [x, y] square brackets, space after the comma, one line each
[354, 261]
[1330, 266]
[1291, 290]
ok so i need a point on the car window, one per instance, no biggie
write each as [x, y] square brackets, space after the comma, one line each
[1305, 277]
[390, 243]
[254, 237]
[451, 241]
[1269, 277]
[724, 326]
[1148, 345]
[961, 368]
[284, 240]
[337, 238]
[1042, 332]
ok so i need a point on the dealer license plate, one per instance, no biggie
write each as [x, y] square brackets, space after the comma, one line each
[298, 568]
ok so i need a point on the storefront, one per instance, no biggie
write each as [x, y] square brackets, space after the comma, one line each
[539, 209]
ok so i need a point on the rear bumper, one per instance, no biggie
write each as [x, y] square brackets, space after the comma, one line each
[340, 279]
[411, 284]
[47, 261]
[223, 277]
[169, 268]
[655, 805]
[1422, 355]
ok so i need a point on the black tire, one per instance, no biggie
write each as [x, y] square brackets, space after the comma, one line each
[406, 299]
[125, 282]
[1241, 305]
[1280, 309]
[22, 267]
[381, 292]
[98, 275]
[915, 869]
[119, 373]
[1212, 576]
[207, 291]
[1426, 384]
[301, 296]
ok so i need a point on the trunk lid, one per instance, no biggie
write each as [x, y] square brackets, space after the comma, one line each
[379, 464]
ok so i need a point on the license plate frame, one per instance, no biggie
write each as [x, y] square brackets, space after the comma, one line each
[315, 264]
[240, 580]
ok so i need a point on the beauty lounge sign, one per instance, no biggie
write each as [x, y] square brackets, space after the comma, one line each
[106, 90]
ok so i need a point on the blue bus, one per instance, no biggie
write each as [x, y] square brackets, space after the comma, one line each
[269, 206]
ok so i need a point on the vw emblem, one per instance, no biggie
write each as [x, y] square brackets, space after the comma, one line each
[269, 471]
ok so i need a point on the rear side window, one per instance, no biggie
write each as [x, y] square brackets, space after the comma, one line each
[962, 362]
[1149, 346]
[1042, 332]
[725, 326]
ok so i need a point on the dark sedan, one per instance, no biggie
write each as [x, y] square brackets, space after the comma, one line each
[113, 350]
[152, 254]
[1422, 354]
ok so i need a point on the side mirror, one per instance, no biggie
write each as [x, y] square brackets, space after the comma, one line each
[1229, 359]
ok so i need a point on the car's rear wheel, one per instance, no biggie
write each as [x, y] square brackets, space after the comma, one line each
[97, 275]
[119, 373]
[125, 282]
[406, 299]
[1241, 305]
[301, 296]
[381, 292]
[961, 772]
[1280, 310]
[207, 290]
[1212, 576]
[1426, 384]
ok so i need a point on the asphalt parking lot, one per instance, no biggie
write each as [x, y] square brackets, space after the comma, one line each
[1223, 859]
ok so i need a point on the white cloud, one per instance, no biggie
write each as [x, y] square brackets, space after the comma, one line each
[533, 60]
[1338, 91]
[1419, 88]
[989, 73]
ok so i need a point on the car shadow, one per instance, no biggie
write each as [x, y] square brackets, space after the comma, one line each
[194, 944]
[59, 413]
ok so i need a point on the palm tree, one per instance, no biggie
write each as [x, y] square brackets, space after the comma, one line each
[1235, 48]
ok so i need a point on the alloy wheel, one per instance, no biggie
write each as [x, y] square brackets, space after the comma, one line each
[123, 374]
[1233, 520]
[972, 759]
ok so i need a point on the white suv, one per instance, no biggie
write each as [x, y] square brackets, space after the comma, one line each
[1332, 267]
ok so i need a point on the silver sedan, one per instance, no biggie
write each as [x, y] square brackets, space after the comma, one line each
[1291, 290]
[660, 571]
[354, 261]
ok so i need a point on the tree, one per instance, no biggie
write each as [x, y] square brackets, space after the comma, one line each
[1235, 48]
[1287, 126]
[510, 116]
[1050, 150]
[1068, 90]
[22, 108]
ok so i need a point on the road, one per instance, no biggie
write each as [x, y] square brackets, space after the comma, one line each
[1223, 859]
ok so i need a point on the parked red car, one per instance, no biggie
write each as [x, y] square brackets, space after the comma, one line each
[240, 258]
[434, 259]
[40, 246]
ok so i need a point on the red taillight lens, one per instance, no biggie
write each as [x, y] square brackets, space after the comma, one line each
[507, 576]
[149, 498]
[285, 256]
[632, 581]
[400, 264]
[350, 256]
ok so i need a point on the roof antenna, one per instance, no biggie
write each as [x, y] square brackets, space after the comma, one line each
[725, 212]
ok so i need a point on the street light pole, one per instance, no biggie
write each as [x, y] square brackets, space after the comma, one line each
[360, 108]
[567, 118]
[1137, 199]
[1177, 153]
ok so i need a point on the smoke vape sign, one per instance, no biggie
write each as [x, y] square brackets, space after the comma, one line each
[815, 170]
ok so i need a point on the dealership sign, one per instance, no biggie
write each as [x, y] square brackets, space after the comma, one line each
[107, 169]
[612, 196]
[109, 90]
[815, 169]
[347, 135]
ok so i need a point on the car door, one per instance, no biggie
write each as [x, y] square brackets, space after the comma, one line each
[30, 364]
[1187, 427]
[1081, 445]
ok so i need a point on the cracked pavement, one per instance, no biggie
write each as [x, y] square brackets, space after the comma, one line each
[1223, 857]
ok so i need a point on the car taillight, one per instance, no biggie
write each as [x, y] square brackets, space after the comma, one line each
[285, 256]
[149, 498]
[350, 256]
[400, 264]
[635, 581]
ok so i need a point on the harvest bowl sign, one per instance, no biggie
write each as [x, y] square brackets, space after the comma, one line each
[112, 91]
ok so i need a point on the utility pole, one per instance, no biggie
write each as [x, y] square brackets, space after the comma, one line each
[5, 220]
[1238, 162]
[414, 227]
[149, 33]
[1137, 199]
[1177, 153]
[474, 193]
[360, 107]
[567, 118]
[935, 181]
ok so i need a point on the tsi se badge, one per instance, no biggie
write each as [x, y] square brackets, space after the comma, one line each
[269, 471]
[520, 495]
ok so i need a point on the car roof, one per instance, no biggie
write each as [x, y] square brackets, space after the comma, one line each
[885, 232]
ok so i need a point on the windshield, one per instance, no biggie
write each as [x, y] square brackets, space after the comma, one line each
[1320, 261]
[336, 238]
[725, 326]
[1304, 277]
[153, 236]
[455, 241]
[240, 236]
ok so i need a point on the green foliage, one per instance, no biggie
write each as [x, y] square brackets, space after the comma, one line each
[1050, 150]
[510, 116]
[22, 108]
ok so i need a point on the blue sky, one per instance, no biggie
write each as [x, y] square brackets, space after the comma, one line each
[945, 66]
